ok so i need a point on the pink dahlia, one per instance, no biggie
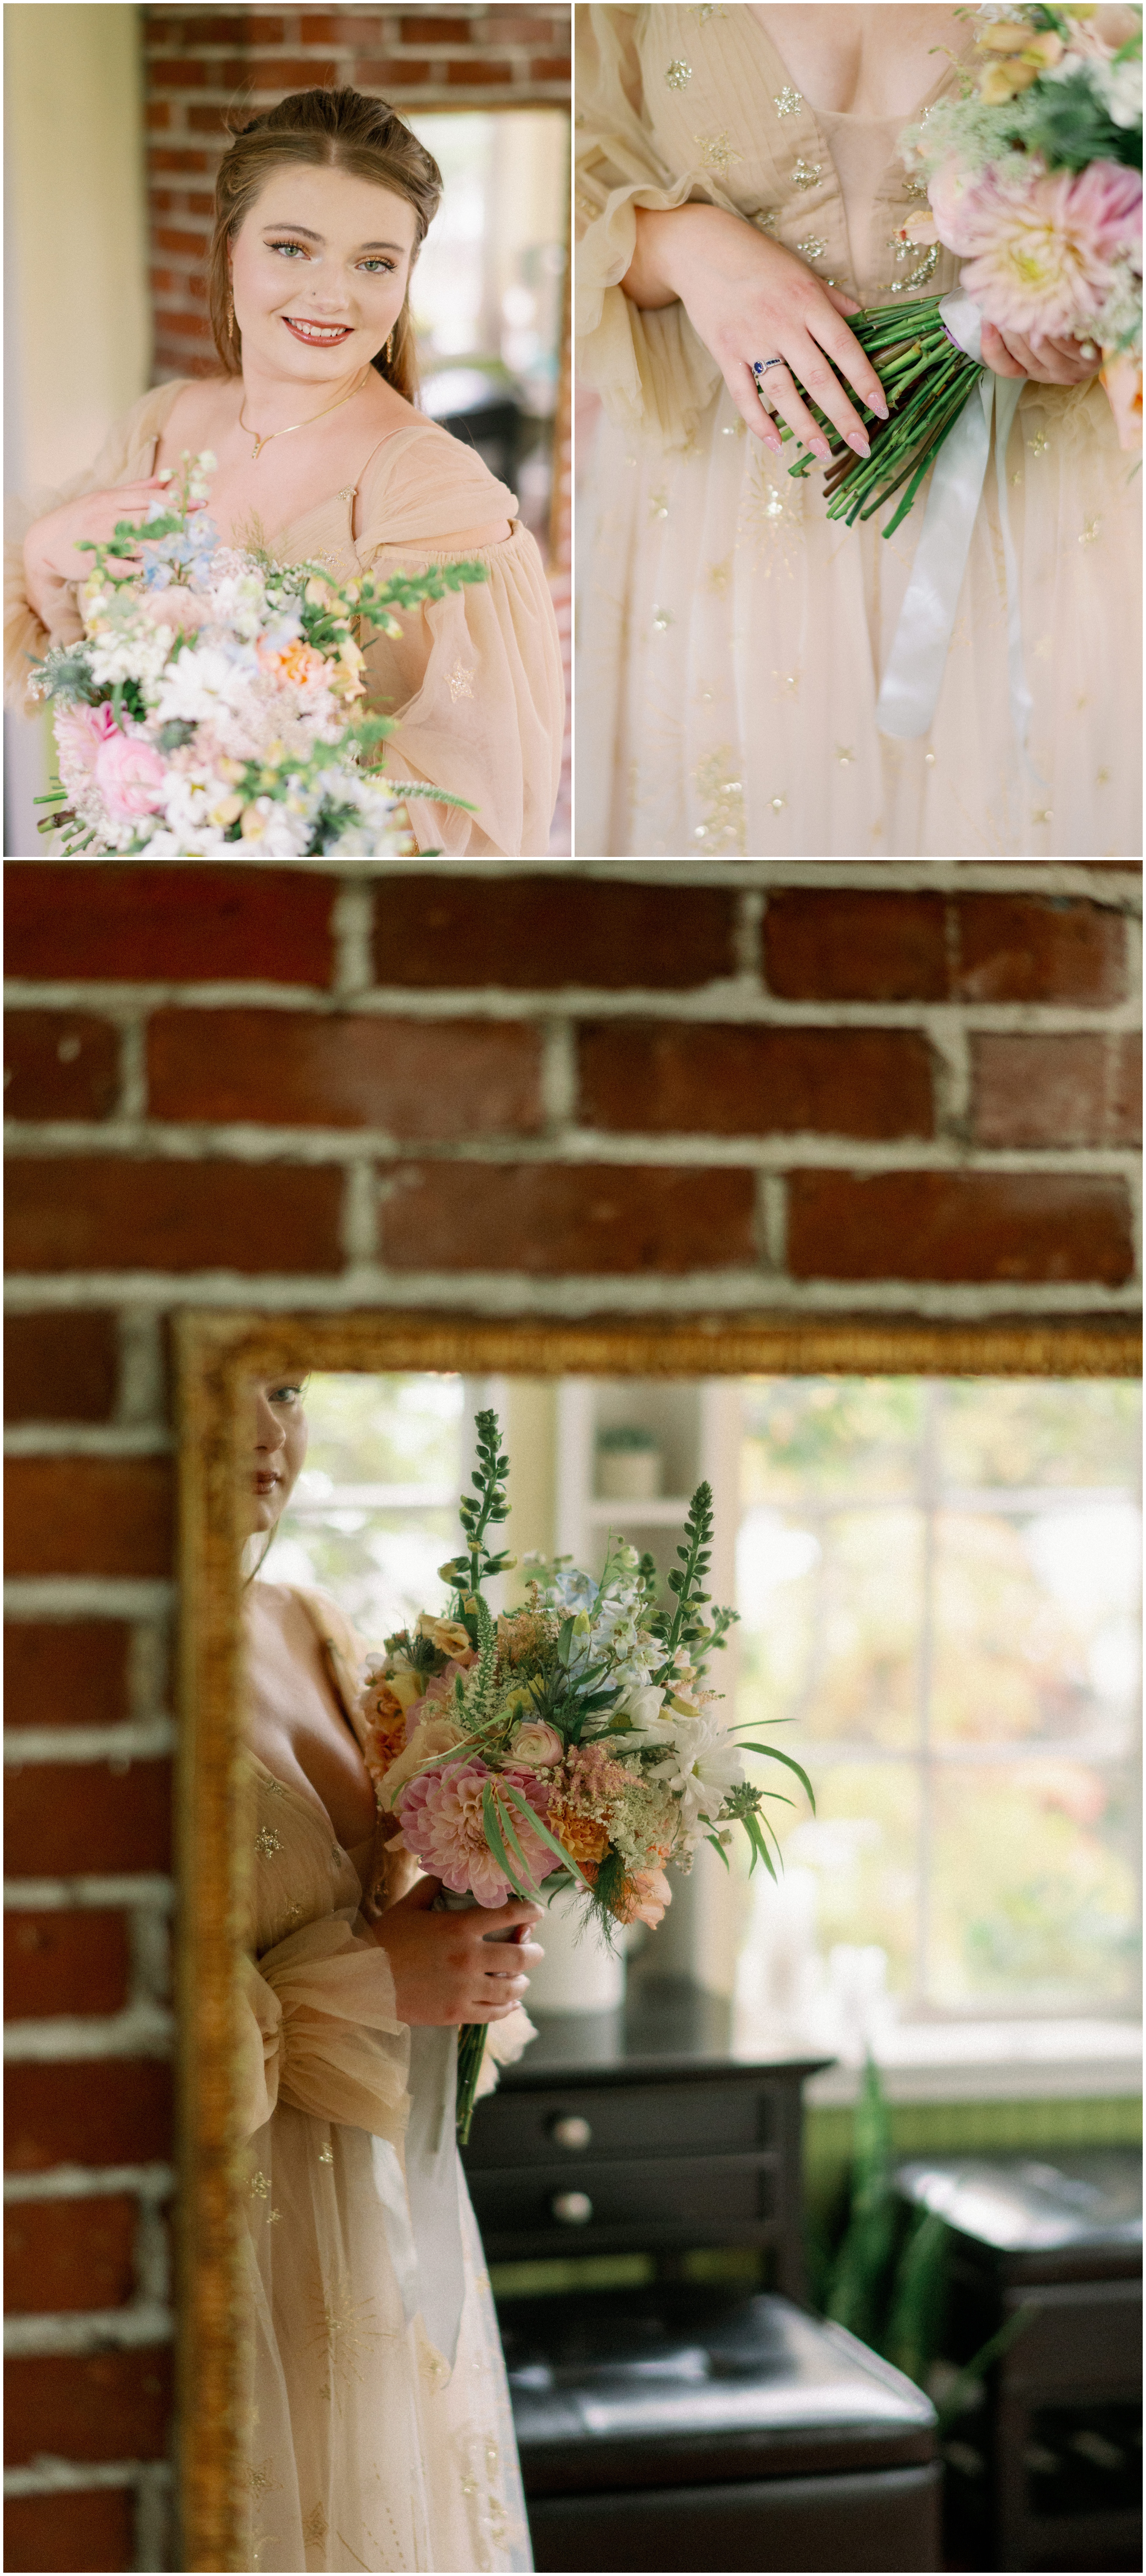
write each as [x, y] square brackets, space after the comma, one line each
[80, 731]
[130, 777]
[1044, 253]
[444, 1824]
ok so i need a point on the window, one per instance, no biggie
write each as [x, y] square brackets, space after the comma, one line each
[938, 1585]
[375, 1509]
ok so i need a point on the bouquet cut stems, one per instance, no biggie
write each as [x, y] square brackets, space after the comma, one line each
[926, 379]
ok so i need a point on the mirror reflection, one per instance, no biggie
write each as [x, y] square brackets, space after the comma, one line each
[935, 1585]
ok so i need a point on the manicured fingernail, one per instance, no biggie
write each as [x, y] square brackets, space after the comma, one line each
[857, 440]
[881, 408]
[820, 447]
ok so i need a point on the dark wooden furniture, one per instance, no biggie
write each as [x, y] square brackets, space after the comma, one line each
[1044, 2465]
[685, 2424]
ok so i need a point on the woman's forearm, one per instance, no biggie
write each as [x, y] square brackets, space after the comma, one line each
[671, 244]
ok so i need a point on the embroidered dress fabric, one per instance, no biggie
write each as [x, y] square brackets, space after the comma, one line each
[733, 637]
[367, 2449]
[475, 681]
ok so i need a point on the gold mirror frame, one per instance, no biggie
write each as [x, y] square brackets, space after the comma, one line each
[218, 1355]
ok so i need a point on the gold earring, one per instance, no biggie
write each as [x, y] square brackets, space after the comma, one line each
[389, 349]
[230, 315]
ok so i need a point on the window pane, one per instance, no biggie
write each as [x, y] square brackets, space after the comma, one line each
[1036, 1627]
[1032, 1892]
[378, 1558]
[1040, 1431]
[831, 1606]
[831, 1435]
[862, 1845]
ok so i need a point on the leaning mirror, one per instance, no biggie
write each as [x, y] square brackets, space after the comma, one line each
[928, 1537]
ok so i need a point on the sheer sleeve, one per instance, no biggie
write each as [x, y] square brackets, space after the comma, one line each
[321, 2032]
[474, 679]
[126, 454]
[651, 370]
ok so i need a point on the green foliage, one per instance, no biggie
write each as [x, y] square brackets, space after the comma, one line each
[1072, 128]
[859, 2278]
[686, 1626]
[482, 1510]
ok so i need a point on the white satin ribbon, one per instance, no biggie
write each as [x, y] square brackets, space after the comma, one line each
[420, 2207]
[914, 674]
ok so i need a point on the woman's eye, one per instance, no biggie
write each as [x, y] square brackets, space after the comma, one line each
[290, 246]
[386, 264]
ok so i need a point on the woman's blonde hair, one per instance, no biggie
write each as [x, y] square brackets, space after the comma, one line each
[330, 129]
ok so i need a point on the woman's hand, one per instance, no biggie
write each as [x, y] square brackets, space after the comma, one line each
[51, 547]
[747, 298]
[453, 1968]
[1046, 362]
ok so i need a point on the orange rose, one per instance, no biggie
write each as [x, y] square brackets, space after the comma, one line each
[298, 663]
[581, 1836]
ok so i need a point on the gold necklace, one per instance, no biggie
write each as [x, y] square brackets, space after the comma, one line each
[260, 443]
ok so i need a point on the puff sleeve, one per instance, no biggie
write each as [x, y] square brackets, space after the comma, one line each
[651, 370]
[320, 2031]
[126, 455]
[475, 679]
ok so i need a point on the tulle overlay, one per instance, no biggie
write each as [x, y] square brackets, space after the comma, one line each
[368, 2450]
[732, 638]
[475, 681]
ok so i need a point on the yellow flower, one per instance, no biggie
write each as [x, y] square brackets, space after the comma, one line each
[1005, 36]
[227, 811]
[1004, 81]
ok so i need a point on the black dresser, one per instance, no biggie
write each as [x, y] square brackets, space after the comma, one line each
[685, 2422]
[1044, 2456]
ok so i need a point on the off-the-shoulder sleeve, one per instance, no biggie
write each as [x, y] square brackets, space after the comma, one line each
[321, 2032]
[125, 455]
[475, 679]
[651, 370]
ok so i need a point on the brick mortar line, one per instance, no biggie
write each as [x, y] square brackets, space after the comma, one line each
[88, 1440]
[154, 2183]
[92, 2330]
[732, 1001]
[199, 1146]
[67, 2477]
[119, 1745]
[109, 1890]
[59, 2039]
[501, 1296]
[1040, 877]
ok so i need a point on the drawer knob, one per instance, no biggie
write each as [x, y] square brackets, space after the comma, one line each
[571, 2131]
[572, 2208]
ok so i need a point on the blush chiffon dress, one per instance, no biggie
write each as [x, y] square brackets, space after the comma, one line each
[732, 638]
[381, 2432]
[474, 679]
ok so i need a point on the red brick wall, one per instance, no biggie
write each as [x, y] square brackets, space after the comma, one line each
[199, 63]
[892, 1089]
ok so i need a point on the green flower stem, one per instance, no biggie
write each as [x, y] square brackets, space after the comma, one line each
[926, 380]
[471, 2050]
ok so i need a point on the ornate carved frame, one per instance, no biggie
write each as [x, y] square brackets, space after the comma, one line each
[218, 1354]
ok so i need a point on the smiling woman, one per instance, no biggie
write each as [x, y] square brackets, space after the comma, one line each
[321, 207]
[376, 2387]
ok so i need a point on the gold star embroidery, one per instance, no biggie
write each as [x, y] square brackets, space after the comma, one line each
[316, 2526]
[679, 74]
[267, 1842]
[1102, 778]
[261, 2479]
[789, 681]
[789, 102]
[658, 505]
[806, 173]
[1039, 444]
[662, 619]
[326, 2154]
[734, 429]
[812, 248]
[1090, 532]
[716, 150]
[459, 681]
[845, 755]
[259, 2186]
[1042, 814]
[778, 803]
[719, 575]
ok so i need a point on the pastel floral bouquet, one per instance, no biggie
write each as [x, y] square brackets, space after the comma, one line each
[569, 1744]
[1033, 178]
[210, 701]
